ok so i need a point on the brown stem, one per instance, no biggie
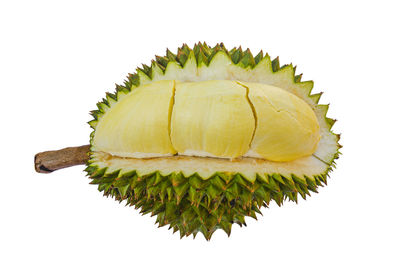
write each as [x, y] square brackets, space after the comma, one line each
[49, 161]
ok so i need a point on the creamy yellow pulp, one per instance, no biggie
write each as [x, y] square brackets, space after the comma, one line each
[218, 118]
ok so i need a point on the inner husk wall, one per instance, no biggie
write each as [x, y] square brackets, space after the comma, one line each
[205, 167]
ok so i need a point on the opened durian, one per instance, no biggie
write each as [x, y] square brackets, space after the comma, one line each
[205, 137]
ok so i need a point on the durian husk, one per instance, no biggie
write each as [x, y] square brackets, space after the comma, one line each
[191, 204]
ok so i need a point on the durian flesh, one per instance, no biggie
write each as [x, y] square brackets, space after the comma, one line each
[138, 125]
[217, 118]
[206, 137]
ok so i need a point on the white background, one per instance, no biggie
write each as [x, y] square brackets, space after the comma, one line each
[58, 58]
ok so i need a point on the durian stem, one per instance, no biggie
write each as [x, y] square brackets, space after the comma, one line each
[49, 161]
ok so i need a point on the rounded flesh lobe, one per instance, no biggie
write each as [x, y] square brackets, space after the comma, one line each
[287, 127]
[211, 118]
[138, 125]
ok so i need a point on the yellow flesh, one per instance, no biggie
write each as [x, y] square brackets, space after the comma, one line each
[219, 118]
[211, 118]
[138, 125]
[287, 127]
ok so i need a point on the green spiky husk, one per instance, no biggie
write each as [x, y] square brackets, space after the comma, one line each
[191, 204]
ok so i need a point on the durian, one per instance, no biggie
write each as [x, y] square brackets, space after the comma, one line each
[205, 137]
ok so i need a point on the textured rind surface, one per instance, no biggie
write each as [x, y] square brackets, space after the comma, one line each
[191, 204]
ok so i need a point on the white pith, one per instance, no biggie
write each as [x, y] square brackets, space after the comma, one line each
[222, 68]
[138, 154]
[206, 166]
